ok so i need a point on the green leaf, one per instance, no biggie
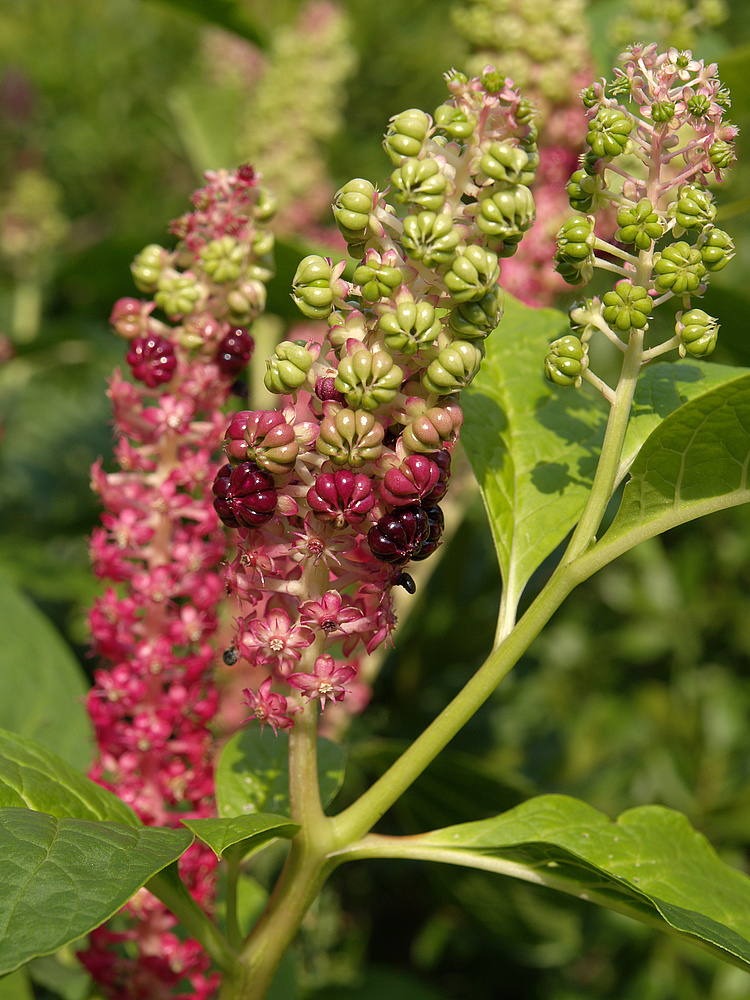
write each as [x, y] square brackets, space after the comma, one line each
[42, 686]
[32, 776]
[252, 776]
[694, 463]
[533, 447]
[650, 864]
[74, 872]
[249, 832]
[16, 986]
[665, 387]
[229, 14]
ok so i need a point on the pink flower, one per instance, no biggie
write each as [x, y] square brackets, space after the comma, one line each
[328, 682]
[268, 707]
[273, 640]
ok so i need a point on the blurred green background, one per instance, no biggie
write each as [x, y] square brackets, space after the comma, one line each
[638, 691]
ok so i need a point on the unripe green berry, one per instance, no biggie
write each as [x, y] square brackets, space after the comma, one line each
[504, 162]
[222, 259]
[368, 379]
[721, 154]
[639, 224]
[377, 281]
[508, 212]
[431, 238]
[476, 320]
[627, 307]
[662, 111]
[311, 287]
[583, 188]
[406, 134]
[694, 207]
[698, 333]
[566, 361]
[574, 258]
[177, 293]
[717, 251]
[420, 182]
[266, 206]
[698, 105]
[453, 122]
[679, 269]
[287, 369]
[352, 206]
[453, 368]
[473, 272]
[609, 133]
[147, 267]
[350, 437]
[414, 325]
[431, 427]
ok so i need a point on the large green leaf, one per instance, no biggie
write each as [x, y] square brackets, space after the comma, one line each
[232, 15]
[533, 446]
[41, 685]
[665, 387]
[32, 776]
[252, 773]
[650, 864]
[250, 832]
[63, 877]
[694, 463]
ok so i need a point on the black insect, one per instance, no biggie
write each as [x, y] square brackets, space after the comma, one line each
[230, 656]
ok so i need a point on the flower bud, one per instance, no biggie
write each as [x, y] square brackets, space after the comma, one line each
[473, 272]
[406, 134]
[350, 437]
[566, 361]
[698, 333]
[287, 369]
[454, 367]
[627, 307]
[368, 380]
[420, 182]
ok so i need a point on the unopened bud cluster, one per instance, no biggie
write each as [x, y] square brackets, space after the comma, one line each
[338, 490]
[657, 135]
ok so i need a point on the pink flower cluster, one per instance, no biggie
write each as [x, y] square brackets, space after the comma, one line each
[161, 547]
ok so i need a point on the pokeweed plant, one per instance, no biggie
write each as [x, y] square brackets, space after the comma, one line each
[330, 497]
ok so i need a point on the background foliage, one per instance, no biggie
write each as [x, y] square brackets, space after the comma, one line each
[638, 691]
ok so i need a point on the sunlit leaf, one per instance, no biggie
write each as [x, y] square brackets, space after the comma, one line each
[250, 832]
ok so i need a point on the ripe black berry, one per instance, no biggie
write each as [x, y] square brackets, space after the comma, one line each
[244, 496]
[152, 359]
[233, 352]
[398, 536]
[431, 542]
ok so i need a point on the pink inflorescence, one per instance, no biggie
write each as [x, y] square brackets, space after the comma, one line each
[161, 547]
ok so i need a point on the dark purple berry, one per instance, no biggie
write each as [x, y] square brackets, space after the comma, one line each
[398, 536]
[325, 389]
[233, 352]
[343, 497]
[442, 460]
[431, 542]
[152, 359]
[244, 496]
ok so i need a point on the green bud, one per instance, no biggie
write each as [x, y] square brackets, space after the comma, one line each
[662, 111]
[591, 96]
[566, 361]
[473, 272]
[413, 326]
[431, 238]
[147, 267]
[717, 251]
[287, 369]
[679, 269]
[476, 320]
[406, 134]
[694, 207]
[350, 437]
[420, 182]
[453, 122]
[639, 224]
[222, 259]
[627, 307]
[609, 133]
[508, 212]
[367, 379]
[698, 333]
[453, 368]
